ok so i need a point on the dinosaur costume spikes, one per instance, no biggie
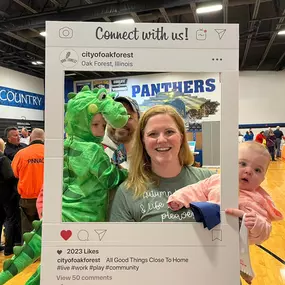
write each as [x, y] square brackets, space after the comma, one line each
[7, 264]
[27, 237]
[23, 255]
[17, 250]
[87, 174]
[71, 95]
[85, 88]
[37, 225]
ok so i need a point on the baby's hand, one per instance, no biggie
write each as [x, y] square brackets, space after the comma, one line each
[235, 212]
[174, 206]
[250, 220]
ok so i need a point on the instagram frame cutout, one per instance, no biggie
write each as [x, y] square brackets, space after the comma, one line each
[139, 253]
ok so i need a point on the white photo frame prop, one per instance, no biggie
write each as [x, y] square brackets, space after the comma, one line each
[141, 253]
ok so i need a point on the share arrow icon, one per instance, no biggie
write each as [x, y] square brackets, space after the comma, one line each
[100, 233]
[220, 32]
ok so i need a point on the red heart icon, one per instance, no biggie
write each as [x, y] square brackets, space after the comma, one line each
[66, 234]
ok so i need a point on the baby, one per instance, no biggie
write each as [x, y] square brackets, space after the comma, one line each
[253, 199]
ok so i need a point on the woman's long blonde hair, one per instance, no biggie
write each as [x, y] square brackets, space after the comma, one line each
[140, 173]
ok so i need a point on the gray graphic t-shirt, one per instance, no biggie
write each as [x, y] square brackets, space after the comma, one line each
[152, 206]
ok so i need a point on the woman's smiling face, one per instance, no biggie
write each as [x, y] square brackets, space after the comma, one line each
[162, 140]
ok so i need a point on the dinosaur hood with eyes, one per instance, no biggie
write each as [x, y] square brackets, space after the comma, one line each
[81, 108]
[88, 174]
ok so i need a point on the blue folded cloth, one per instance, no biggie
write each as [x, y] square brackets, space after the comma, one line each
[206, 213]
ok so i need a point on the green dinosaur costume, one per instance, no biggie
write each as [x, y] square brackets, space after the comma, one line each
[88, 174]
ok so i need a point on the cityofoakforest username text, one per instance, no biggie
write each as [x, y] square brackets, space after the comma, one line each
[107, 59]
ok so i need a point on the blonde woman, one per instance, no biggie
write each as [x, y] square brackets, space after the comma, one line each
[160, 163]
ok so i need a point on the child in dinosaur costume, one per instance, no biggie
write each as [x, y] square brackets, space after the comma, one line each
[87, 174]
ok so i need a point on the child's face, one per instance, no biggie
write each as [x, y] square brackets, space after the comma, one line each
[252, 168]
[98, 125]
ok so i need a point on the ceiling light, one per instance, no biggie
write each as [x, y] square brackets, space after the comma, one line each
[281, 32]
[126, 21]
[209, 9]
[37, 62]
[44, 33]
[70, 74]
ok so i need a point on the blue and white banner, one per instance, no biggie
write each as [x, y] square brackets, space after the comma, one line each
[196, 96]
[21, 99]
[185, 87]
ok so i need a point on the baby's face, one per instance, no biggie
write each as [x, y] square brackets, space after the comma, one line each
[252, 168]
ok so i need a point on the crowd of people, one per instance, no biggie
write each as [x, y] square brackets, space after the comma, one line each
[271, 139]
[153, 148]
[21, 178]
